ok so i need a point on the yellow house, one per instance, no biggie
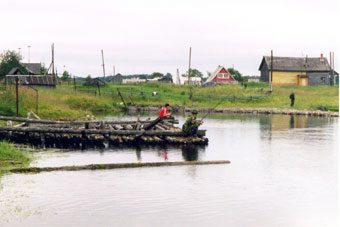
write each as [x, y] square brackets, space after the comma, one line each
[295, 71]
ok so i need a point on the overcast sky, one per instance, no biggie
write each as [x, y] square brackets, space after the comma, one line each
[155, 35]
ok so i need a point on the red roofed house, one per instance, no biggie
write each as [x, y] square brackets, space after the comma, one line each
[222, 76]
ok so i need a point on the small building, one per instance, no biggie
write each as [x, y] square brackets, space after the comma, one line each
[165, 80]
[222, 76]
[253, 78]
[134, 80]
[33, 68]
[16, 71]
[95, 82]
[41, 81]
[117, 79]
[295, 70]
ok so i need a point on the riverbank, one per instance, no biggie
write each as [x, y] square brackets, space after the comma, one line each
[66, 103]
[181, 109]
[11, 157]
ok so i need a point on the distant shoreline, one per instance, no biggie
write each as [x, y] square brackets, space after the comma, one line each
[181, 109]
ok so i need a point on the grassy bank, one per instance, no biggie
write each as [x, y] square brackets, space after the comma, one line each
[57, 103]
[255, 95]
[10, 157]
[64, 103]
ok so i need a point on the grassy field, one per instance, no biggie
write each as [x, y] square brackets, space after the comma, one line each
[10, 157]
[64, 103]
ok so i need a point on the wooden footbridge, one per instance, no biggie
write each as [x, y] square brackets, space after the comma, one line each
[86, 134]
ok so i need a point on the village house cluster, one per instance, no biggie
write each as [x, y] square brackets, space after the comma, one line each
[301, 71]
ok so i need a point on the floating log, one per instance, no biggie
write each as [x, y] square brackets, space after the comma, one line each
[115, 166]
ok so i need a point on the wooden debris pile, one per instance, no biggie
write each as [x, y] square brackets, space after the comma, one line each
[85, 134]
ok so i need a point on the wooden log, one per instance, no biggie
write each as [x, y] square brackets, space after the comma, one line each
[92, 131]
[20, 125]
[157, 139]
[153, 123]
[21, 119]
[159, 127]
[115, 166]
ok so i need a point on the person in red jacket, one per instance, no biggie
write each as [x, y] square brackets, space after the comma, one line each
[164, 112]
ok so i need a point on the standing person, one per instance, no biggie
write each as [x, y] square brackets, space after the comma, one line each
[292, 99]
[191, 125]
[164, 111]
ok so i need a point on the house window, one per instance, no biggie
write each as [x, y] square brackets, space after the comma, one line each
[226, 76]
[219, 75]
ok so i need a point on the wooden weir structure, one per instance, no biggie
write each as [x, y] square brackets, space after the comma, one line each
[101, 134]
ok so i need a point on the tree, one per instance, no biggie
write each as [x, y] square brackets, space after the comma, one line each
[193, 73]
[156, 74]
[168, 75]
[8, 60]
[66, 76]
[43, 70]
[236, 74]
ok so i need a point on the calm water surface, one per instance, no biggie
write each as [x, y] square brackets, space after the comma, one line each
[283, 172]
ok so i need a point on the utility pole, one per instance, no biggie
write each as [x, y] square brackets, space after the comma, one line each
[28, 53]
[114, 70]
[103, 63]
[52, 48]
[271, 71]
[28, 60]
[189, 66]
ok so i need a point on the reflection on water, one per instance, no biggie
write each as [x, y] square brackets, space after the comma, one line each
[283, 172]
[190, 152]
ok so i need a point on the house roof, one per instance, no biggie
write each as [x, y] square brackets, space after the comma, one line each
[296, 64]
[32, 80]
[213, 75]
[14, 71]
[34, 68]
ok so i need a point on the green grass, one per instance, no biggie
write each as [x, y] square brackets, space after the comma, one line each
[55, 104]
[255, 96]
[11, 157]
[62, 103]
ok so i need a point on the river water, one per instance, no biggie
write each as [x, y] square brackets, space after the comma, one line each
[283, 172]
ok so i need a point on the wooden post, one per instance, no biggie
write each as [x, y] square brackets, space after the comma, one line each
[53, 59]
[103, 63]
[178, 79]
[271, 70]
[75, 85]
[121, 97]
[36, 101]
[17, 94]
[98, 86]
[189, 66]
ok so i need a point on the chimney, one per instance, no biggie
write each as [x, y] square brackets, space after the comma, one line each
[321, 56]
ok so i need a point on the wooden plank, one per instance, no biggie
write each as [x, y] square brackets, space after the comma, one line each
[115, 166]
